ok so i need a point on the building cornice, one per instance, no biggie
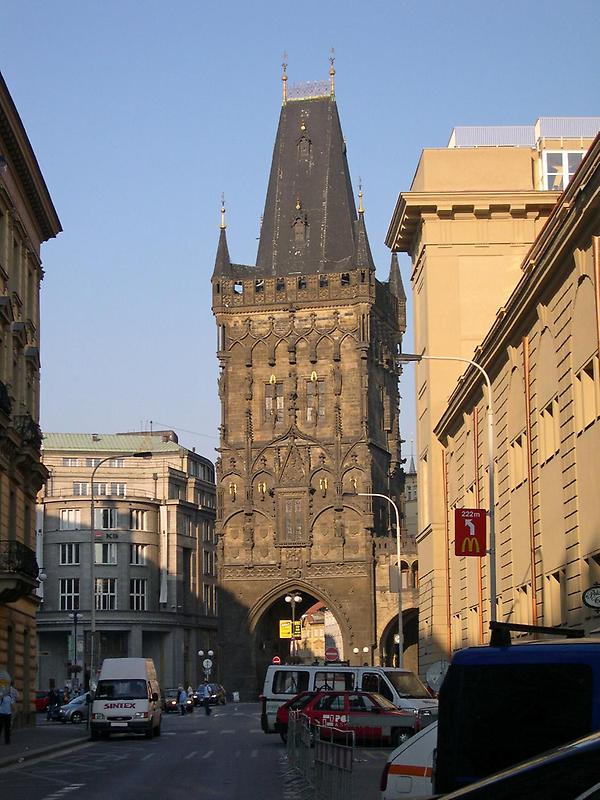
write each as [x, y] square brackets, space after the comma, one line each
[411, 207]
[543, 266]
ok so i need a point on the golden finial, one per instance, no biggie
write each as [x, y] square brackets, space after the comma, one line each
[298, 204]
[223, 225]
[361, 210]
[284, 79]
[332, 72]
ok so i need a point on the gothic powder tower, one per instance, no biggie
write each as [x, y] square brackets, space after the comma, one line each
[308, 343]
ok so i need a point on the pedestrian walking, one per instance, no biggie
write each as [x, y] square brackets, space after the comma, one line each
[206, 699]
[7, 702]
[52, 702]
[182, 700]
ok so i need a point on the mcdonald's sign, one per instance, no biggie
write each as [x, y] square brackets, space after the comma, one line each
[469, 532]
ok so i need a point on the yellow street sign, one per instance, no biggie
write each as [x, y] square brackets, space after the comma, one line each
[285, 628]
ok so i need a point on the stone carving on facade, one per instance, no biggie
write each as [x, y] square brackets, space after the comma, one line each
[29, 431]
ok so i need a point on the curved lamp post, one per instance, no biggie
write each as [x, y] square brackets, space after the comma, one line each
[292, 599]
[143, 454]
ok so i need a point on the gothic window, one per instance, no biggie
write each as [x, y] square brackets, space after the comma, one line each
[302, 282]
[238, 287]
[280, 286]
[323, 282]
[315, 400]
[259, 286]
[274, 402]
[299, 227]
[345, 279]
[291, 520]
[304, 148]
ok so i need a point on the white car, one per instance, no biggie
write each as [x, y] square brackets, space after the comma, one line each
[407, 773]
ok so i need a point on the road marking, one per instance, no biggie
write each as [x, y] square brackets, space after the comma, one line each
[170, 733]
[208, 754]
[150, 755]
[191, 755]
[229, 730]
[255, 730]
[198, 733]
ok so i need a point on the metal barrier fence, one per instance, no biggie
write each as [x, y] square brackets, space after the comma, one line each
[324, 756]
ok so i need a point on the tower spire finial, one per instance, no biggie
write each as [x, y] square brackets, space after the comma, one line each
[361, 209]
[332, 72]
[284, 79]
[223, 223]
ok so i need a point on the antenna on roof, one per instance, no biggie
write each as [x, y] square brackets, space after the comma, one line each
[223, 224]
[284, 79]
[332, 72]
[361, 209]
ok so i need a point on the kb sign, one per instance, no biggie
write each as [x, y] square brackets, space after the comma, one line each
[469, 532]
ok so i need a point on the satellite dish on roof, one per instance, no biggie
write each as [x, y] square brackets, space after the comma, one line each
[436, 673]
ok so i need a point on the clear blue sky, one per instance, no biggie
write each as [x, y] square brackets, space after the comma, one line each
[142, 113]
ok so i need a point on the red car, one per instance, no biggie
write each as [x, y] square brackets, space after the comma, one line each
[372, 718]
[41, 701]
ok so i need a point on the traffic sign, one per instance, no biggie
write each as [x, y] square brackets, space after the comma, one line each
[332, 654]
[285, 628]
[297, 626]
[207, 663]
[276, 660]
[469, 532]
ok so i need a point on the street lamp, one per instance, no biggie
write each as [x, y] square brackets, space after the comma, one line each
[207, 663]
[400, 631]
[143, 454]
[490, 425]
[292, 599]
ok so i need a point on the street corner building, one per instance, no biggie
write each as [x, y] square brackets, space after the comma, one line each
[27, 219]
[308, 343]
[502, 229]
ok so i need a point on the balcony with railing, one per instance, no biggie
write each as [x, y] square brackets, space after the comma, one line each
[18, 570]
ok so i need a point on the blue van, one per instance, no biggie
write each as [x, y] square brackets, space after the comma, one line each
[501, 705]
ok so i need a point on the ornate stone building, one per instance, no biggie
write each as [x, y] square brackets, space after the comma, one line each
[27, 218]
[308, 344]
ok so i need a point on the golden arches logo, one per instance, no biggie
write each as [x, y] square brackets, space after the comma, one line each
[471, 544]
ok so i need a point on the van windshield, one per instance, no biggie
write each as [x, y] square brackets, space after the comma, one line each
[408, 685]
[122, 690]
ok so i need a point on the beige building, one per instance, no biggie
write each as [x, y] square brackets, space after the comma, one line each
[473, 211]
[542, 356]
[27, 218]
[154, 571]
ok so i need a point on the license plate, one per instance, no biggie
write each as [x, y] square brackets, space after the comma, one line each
[118, 724]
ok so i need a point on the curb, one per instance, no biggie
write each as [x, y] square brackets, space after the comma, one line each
[28, 755]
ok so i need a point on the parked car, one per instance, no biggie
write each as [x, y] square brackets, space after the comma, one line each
[371, 717]
[41, 701]
[216, 694]
[76, 710]
[171, 703]
[408, 771]
[283, 712]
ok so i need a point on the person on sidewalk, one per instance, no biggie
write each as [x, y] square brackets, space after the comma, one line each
[182, 700]
[6, 705]
[206, 699]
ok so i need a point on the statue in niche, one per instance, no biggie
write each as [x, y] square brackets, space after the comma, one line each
[249, 382]
[337, 379]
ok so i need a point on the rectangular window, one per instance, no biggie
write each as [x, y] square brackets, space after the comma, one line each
[93, 462]
[293, 519]
[117, 463]
[549, 431]
[119, 489]
[80, 488]
[69, 553]
[274, 402]
[100, 488]
[105, 518]
[105, 553]
[292, 681]
[70, 519]
[137, 519]
[559, 168]
[280, 285]
[68, 589]
[518, 460]
[585, 395]
[137, 554]
[137, 594]
[106, 594]
[207, 598]
[70, 462]
[208, 563]
[334, 681]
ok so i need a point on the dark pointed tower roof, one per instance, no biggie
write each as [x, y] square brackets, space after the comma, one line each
[395, 279]
[310, 216]
[222, 261]
[363, 258]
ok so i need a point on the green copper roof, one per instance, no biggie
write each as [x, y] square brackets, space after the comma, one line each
[109, 443]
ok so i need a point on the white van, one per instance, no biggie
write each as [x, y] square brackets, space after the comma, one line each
[401, 686]
[408, 772]
[127, 698]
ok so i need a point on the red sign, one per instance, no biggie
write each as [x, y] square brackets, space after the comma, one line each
[332, 654]
[469, 532]
[276, 660]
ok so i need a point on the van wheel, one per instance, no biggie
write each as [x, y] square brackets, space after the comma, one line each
[400, 735]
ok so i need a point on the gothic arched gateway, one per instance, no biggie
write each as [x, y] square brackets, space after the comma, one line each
[308, 345]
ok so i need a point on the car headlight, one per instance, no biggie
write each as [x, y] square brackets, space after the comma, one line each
[98, 716]
[141, 715]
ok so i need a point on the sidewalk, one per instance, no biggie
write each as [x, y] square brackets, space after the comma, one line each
[45, 737]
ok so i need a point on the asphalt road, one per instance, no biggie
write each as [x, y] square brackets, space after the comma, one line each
[224, 756]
